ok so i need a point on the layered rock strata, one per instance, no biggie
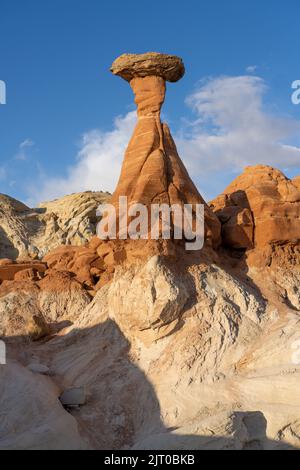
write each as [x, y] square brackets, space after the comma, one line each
[152, 171]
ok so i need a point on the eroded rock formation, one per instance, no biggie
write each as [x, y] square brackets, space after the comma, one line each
[260, 208]
[170, 356]
[167, 349]
[169, 67]
[27, 233]
[152, 170]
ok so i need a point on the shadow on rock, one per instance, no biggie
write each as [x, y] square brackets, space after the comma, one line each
[121, 409]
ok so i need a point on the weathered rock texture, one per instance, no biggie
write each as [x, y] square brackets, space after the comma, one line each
[152, 170]
[33, 414]
[31, 308]
[128, 66]
[160, 348]
[260, 207]
[31, 233]
[181, 342]
[296, 182]
[171, 356]
[12, 270]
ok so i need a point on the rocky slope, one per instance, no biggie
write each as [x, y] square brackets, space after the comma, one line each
[31, 233]
[180, 355]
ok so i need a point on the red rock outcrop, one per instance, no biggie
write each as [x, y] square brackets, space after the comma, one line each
[152, 170]
[260, 207]
[9, 270]
[296, 182]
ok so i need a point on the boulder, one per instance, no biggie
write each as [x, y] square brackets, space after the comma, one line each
[20, 316]
[128, 66]
[237, 231]
[38, 368]
[75, 396]
[150, 298]
[260, 207]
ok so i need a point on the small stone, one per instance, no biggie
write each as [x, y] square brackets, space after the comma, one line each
[38, 368]
[75, 396]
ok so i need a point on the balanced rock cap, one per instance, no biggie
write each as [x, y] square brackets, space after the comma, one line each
[128, 66]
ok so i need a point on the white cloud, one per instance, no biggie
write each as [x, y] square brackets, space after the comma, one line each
[230, 129]
[23, 146]
[26, 143]
[251, 68]
[98, 162]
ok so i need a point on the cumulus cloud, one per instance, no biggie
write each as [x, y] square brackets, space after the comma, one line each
[229, 130]
[97, 164]
[232, 129]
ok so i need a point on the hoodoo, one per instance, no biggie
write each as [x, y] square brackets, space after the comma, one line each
[152, 170]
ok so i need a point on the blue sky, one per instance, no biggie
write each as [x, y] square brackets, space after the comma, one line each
[67, 118]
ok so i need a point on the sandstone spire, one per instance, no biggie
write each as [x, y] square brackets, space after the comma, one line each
[152, 170]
